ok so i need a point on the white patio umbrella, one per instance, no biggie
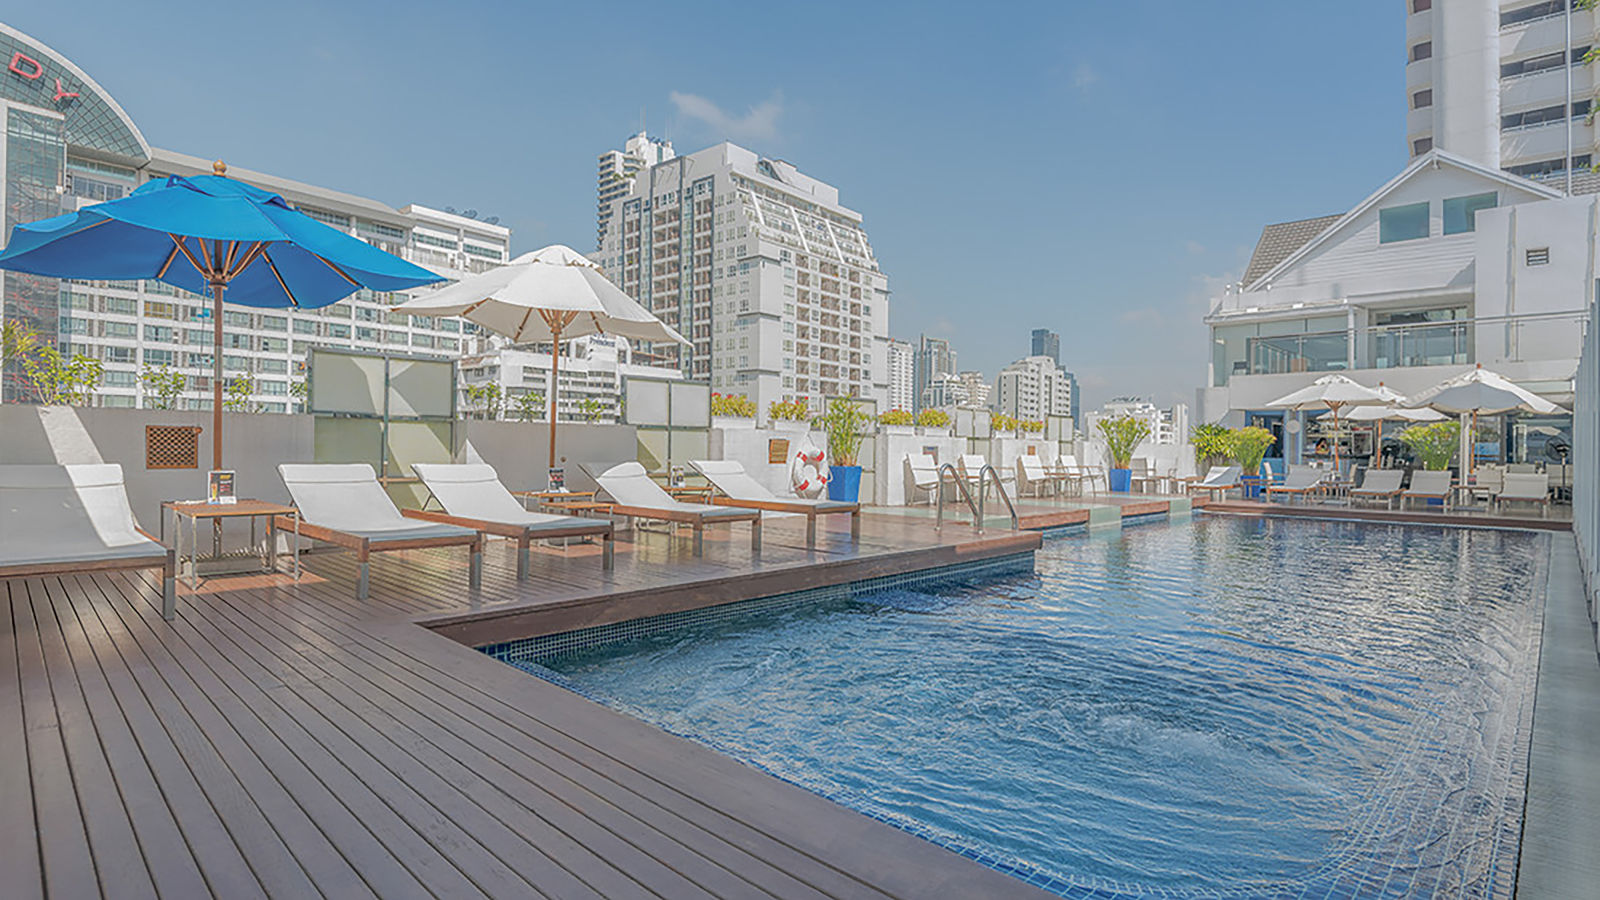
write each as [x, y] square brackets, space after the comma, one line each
[1388, 414]
[1479, 391]
[550, 295]
[1334, 393]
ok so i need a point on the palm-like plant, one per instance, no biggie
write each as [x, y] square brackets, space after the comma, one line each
[1434, 444]
[1123, 436]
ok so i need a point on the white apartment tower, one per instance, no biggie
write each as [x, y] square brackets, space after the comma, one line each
[1034, 387]
[616, 173]
[760, 266]
[902, 366]
[1503, 84]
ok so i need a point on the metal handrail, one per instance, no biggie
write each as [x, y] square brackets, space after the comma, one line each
[1000, 488]
[961, 484]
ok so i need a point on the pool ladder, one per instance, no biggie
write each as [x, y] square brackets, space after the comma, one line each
[984, 474]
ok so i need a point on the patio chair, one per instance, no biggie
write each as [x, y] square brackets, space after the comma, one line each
[1063, 476]
[1521, 487]
[971, 466]
[61, 520]
[738, 489]
[1143, 475]
[1032, 476]
[343, 504]
[1086, 474]
[1522, 468]
[1428, 486]
[635, 495]
[1379, 484]
[473, 497]
[922, 474]
[1300, 482]
[1220, 479]
[1487, 482]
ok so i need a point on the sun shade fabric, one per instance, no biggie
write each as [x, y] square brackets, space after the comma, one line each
[474, 491]
[131, 238]
[1333, 391]
[347, 497]
[629, 485]
[730, 478]
[65, 513]
[1483, 392]
[507, 300]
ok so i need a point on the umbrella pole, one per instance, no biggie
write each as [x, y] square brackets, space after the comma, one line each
[216, 375]
[555, 381]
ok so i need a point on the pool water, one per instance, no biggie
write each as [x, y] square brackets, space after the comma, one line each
[1267, 707]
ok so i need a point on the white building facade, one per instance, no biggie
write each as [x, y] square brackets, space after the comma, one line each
[902, 368]
[1449, 265]
[1034, 387]
[69, 144]
[1168, 427]
[617, 170]
[772, 280]
[591, 377]
[1502, 83]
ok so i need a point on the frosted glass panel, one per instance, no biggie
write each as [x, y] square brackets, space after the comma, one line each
[691, 405]
[342, 383]
[647, 402]
[421, 387]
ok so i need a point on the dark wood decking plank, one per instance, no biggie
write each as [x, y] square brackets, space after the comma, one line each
[67, 857]
[21, 868]
[532, 775]
[118, 860]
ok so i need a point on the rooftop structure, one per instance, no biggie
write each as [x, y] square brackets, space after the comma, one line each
[617, 170]
[1044, 342]
[1032, 388]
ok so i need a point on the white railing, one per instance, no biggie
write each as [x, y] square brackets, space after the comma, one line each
[1586, 464]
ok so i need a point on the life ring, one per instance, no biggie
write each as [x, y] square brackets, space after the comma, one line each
[806, 475]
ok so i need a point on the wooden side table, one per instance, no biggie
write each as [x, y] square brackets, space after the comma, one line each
[553, 498]
[196, 510]
[691, 493]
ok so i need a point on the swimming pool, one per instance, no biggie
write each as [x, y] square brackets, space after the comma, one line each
[1255, 707]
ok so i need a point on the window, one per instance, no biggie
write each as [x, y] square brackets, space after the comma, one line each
[1550, 166]
[1532, 11]
[119, 378]
[118, 354]
[1532, 117]
[160, 358]
[1460, 213]
[1421, 5]
[1421, 146]
[1542, 63]
[1403, 223]
[1538, 256]
[1422, 99]
[1422, 51]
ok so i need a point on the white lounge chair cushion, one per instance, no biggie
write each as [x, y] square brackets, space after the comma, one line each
[347, 497]
[1380, 481]
[973, 463]
[730, 478]
[1221, 477]
[474, 491]
[1429, 484]
[629, 485]
[66, 514]
[1302, 478]
[1522, 486]
[924, 472]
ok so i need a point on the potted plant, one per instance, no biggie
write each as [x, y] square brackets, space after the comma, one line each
[732, 411]
[1247, 447]
[897, 421]
[1434, 445]
[934, 422]
[844, 423]
[1211, 447]
[789, 415]
[1122, 436]
[1002, 425]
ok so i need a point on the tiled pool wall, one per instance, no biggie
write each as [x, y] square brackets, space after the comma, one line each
[548, 647]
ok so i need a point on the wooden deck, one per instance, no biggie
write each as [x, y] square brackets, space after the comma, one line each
[281, 739]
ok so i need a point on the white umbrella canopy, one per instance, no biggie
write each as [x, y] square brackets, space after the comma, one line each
[1388, 413]
[1482, 392]
[547, 296]
[1334, 393]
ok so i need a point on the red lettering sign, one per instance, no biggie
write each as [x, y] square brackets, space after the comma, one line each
[26, 66]
[63, 94]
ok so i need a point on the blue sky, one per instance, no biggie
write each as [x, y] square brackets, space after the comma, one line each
[1094, 168]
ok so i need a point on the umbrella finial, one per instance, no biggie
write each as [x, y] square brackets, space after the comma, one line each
[219, 168]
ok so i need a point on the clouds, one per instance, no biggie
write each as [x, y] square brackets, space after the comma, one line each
[759, 123]
[1084, 77]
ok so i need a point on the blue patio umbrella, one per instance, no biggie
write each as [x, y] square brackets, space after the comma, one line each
[210, 233]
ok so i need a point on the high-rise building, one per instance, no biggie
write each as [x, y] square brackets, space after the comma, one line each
[902, 365]
[1046, 343]
[765, 272]
[977, 390]
[933, 360]
[1503, 84]
[1167, 426]
[616, 174]
[1075, 409]
[1033, 387]
[69, 144]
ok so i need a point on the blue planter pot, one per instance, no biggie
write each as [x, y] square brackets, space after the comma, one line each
[1121, 480]
[844, 483]
[1250, 486]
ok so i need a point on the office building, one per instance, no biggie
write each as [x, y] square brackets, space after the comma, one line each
[902, 366]
[1032, 388]
[1167, 426]
[591, 377]
[1075, 408]
[69, 144]
[761, 267]
[617, 170]
[1503, 84]
[933, 361]
[1046, 343]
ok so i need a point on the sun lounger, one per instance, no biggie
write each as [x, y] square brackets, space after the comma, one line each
[738, 489]
[1219, 479]
[343, 504]
[58, 520]
[1301, 481]
[1061, 474]
[473, 497]
[1520, 487]
[1379, 484]
[1032, 476]
[922, 474]
[1085, 474]
[1428, 486]
[633, 494]
[971, 465]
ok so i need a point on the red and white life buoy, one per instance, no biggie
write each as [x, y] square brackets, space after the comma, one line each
[807, 475]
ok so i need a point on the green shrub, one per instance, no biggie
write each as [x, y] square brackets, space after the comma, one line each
[1123, 435]
[788, 410]
[933, 418]
[896, 417]
[1434, 444]
[844, 423]
[736, 405]
[1248, 446]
